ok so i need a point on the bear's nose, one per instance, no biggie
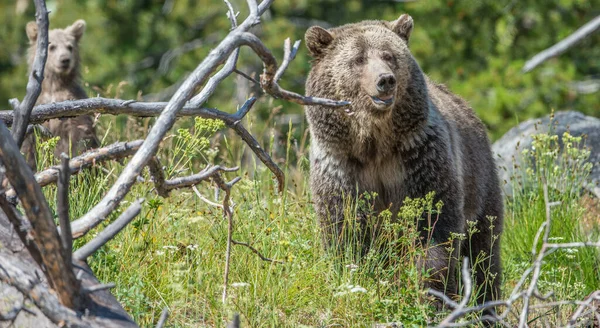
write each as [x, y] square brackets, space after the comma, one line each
[386, 82]
[65, 61]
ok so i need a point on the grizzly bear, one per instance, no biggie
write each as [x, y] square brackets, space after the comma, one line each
[61, 82]
[402, 136]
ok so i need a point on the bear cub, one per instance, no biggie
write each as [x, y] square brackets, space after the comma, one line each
[61, 82]
[405, 137]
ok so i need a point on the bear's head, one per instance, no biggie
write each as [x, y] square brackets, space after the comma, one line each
[63, 48]
[367, 63]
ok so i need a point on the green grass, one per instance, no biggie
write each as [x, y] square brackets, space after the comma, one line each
[173, 254]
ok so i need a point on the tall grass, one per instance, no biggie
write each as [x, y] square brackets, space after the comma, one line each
[173, 253]
[568, 273]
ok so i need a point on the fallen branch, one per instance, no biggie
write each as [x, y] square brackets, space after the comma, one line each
[62, 201]
[59, 272]
[109, 232]
[563, 45]
[32, 288]
[164, 123]
[22, 228]
[113, 152]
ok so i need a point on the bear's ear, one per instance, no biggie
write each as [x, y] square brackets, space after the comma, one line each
[32, 31]
[403, 26]
[317, 40]
[77, 29]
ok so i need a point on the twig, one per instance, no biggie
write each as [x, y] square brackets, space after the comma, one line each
[110, 231]
[99, 287]
[246, 76]
[537, 264]
[289, 53]
[163, 317]
[62, 196]
[59, 272]
[227, 213]
[563, 45]
[253, 143]
[595, 296]
[192, 180]
[468, 287]
[255, 251]
[206, 200]
[36, 76]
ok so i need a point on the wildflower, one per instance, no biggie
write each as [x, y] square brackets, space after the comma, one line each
[353, 267]
[192, 247]
[240, 284]
[358, 289]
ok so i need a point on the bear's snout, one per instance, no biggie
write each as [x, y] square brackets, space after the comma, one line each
[386, 83]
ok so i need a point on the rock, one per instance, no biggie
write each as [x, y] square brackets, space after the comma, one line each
[576, 123]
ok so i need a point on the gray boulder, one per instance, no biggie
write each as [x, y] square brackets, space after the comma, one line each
[519, 138]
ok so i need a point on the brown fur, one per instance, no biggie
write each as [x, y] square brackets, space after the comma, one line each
[61, 82]
[406, 136]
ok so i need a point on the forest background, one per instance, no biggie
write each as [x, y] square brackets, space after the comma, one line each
[477, 48]
[172, 256]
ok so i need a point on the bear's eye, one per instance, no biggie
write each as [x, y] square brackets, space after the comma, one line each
[388, 57]
[70, 47]
[52, 47]
[359, 60]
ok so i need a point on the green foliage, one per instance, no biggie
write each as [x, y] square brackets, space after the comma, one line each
[477, 48]
[571, 272]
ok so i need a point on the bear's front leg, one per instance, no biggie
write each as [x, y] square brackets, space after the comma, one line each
[429, 167]
[334, 192]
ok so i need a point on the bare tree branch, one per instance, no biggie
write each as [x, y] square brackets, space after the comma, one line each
[109, 232]
[163, 124]
[22, 228]
[113, 152]
[62, 196]
[59, 272]
[34, 85]
[97, 288]
[563, 45]
[163, 317]
[255, 251]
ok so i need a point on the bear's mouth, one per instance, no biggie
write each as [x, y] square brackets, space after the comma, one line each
[383, 100]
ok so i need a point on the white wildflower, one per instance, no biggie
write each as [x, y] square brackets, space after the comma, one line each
[192, 247]
[358, 289]
[240, 284]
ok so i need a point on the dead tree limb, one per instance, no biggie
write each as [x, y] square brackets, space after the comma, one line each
[42, 113]
[76, 164]
[58, 271]
[109, 232]
[563, 45]
[164, 123]
[62, 204]
[30, 286]
[22, 228]
[34, 85]
[72, 108]
[163, 317]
